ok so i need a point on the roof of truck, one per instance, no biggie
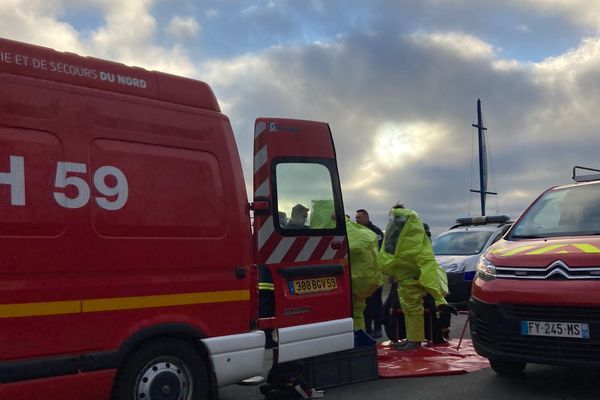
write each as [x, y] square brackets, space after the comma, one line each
[38, 62]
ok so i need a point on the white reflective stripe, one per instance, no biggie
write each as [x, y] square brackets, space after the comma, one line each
[281, 250]
[263, 189]
[330, 252]
[259, 128]
[300, 333]
[236, 357]
[260, 158]
[265, 232]
[308, 249]
[309, 340]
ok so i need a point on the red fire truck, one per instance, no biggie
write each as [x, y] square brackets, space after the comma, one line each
[130, 260]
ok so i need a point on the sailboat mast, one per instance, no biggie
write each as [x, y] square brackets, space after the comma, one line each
[482, 159]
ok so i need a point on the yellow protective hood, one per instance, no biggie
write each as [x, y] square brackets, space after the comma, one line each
[406, 253]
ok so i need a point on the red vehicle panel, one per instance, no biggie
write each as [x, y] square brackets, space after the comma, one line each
[535, 297]
[126, 233]
[292, 158]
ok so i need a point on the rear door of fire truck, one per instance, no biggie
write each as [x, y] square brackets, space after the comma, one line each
[300, 239]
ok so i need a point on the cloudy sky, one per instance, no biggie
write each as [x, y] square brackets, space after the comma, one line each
[398, 81]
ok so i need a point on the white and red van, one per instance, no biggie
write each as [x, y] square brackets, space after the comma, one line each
[129, 258]
[536, 295]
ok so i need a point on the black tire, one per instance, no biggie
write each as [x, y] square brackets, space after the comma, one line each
[508, 368]
[166, 369]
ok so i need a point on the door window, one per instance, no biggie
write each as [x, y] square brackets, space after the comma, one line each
[305, 197]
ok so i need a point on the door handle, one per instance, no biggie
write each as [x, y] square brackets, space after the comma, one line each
[240, 272]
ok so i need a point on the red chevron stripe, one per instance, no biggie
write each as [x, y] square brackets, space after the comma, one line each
[341, 253]
[295, 249]
[261, 175]
[260, 142]
[321, 248]
[269, 247]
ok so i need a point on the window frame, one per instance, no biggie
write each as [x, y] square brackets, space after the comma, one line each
[330, 165]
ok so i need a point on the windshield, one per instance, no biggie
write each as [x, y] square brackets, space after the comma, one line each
[573, 211]
[463, 243]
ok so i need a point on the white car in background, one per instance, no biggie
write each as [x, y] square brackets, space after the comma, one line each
[458, 249]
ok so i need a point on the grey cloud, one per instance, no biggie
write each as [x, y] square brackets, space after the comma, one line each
[183, 27]
[359, 66]
[363, 80]
[37, 24]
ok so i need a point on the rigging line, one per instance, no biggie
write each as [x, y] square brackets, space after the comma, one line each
[491, 169]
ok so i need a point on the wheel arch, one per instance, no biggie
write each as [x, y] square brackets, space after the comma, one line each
[179, 331]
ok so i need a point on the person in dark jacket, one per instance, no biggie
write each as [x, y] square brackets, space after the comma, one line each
[298, 219]
[374, 311]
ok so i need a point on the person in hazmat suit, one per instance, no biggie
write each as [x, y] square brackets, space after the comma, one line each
[323, 214]
[363, 246]
[364, 264]
[407, 256]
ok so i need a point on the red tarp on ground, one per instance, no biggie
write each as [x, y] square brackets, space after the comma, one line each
[429, 360]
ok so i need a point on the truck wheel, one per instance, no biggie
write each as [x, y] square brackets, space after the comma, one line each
[168, 369]
[507, 368]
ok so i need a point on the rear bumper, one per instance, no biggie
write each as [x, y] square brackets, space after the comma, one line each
[236, 357]
[302, 341]
[496, 334]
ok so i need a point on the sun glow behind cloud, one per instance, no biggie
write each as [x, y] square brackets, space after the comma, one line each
[463, 44]
[396, 144]
[375, 81]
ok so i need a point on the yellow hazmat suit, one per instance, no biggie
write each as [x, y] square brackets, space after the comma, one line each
[323, 214]
[364, 265]
[407, 255]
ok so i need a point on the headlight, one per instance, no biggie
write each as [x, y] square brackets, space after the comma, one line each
[485, 269]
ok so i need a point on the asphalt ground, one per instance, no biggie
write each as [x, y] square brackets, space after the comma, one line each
[539, 382]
